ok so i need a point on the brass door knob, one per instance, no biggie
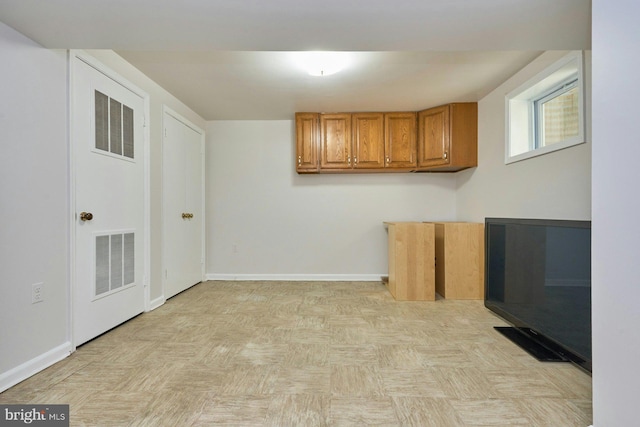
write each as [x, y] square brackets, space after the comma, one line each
[86, 216]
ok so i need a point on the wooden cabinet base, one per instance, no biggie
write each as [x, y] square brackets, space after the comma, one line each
[459, 258]
[442, 257]
[411, 266]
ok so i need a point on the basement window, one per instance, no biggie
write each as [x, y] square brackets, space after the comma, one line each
[546, 113]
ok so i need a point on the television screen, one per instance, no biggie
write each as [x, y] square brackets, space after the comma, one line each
[538, 278]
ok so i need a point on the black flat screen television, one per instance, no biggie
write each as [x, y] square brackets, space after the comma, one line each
[538, 278]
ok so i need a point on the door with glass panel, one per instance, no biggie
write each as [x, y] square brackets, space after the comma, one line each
[107, 130]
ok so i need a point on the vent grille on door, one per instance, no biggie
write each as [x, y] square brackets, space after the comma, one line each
[115, 262]
[113, 126]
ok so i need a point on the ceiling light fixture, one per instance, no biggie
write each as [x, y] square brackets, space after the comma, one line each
[322, 63]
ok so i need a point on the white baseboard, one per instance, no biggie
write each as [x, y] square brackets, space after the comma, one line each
[299, 277]
[156, 303]
[22, 372]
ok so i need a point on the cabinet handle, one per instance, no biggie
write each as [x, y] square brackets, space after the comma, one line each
[299, 160]
[355, 160]
[388, 161]
[445, 155]
[349, 160]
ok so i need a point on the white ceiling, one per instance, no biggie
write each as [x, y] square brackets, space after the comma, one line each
[229, 59]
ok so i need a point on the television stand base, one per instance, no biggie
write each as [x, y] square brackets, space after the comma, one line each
[526, 340]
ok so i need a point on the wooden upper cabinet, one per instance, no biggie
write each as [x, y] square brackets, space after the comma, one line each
[368, 140]
[335, 141]
[400, 140]
[307, 139]
[448, 137]
[440, 139]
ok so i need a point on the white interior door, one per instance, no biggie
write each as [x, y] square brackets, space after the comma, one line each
[183, 154]
[108, 156]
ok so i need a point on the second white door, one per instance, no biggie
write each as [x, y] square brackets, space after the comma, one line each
[183, 159]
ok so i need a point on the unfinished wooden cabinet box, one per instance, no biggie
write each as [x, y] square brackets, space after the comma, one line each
[459, 260]
[411, 254]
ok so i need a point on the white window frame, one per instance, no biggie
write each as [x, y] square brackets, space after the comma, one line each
[522, 124]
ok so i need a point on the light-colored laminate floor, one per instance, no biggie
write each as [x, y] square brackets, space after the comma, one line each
[309, 354]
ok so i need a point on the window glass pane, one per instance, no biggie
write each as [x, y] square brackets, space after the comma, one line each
[560, 118]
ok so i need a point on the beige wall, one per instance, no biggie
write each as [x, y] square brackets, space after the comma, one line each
[266, 221]
[34, 206]
[555, 185]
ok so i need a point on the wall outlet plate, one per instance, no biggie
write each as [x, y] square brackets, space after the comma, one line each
[37, 294]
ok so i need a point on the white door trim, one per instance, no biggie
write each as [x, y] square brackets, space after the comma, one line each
[80, 55]
[197, 129]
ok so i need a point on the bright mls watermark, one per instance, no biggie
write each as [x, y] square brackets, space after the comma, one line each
[34, 415]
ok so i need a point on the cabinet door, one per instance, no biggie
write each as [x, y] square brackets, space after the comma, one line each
[434, 137]
[368, 140]
[400, 140]
[307, 137]
[335, 143]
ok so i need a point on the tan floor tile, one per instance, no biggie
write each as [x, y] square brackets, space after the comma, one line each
[494, 412]
[399, 356]
[425, 412]
[262, 354]
[356, 381]
[525, 382]
[353, 355]
[172, 408]
[362, 411]
[142, 379]
[298, 410]
[445, 357]
[311, 336]
[398, 382]
[309, 353]
[110, 409]
[196, 378]
[257, 380]
[302, 355]
[465, 383]
[548, 411]
[571, 384]
[221, 355]
[234, 411]
[305, 380]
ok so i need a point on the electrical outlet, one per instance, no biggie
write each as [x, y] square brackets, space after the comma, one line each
[37, 294]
